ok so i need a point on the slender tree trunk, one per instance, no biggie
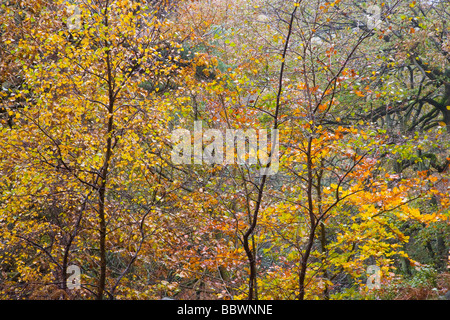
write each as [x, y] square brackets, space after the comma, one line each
[323, 235]
[102, 212]
[102, 240]
[248, 250]
[252, 275]
[323, 245]
[69, 244]
[304, 265]
[255, 284]
[446, 104]
[105, 169]
[251, 255]
[312, 221]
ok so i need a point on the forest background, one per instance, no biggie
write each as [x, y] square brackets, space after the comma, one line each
[91, 91]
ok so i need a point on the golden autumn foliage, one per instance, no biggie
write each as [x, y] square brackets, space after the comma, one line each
[91, 92]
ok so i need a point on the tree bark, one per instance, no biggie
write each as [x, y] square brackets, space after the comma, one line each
[104, 170]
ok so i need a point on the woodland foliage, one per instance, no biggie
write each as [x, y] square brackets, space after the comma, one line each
[91, 91]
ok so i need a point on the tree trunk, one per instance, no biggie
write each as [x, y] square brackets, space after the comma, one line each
[304, 264]
[104, 170]
[446, 107]
[323, 244]
[101, 210]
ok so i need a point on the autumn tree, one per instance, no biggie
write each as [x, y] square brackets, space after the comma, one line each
[324, 72]
[93, 92]
[79, 139]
